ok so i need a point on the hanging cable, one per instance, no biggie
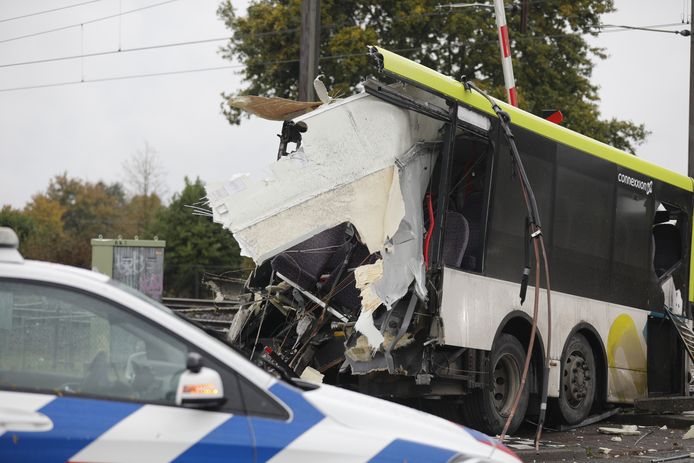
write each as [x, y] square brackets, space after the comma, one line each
[535, 231]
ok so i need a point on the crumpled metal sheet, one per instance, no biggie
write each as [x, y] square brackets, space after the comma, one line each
[343, 172]
[402, 254]
[403, 259]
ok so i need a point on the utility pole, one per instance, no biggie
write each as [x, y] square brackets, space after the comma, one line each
[310, 41]
[690, 164]
[525, 6]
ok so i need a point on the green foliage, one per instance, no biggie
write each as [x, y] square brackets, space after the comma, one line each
[552, 60]
[22, 224]
[193, 243]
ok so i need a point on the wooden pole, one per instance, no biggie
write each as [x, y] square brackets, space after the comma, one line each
[310, 44]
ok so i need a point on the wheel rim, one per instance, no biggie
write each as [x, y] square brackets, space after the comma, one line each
[506, 383]
[577, 379]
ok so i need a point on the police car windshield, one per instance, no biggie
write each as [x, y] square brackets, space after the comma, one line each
[140, 296]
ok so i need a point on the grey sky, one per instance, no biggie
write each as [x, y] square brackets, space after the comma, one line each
[89, 129]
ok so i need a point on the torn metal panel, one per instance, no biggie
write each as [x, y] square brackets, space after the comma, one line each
[343, 172]
[402, 257]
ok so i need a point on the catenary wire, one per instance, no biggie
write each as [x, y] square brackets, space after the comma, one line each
[113, 52]
[37, 13]
[90, 21]
[237, 66]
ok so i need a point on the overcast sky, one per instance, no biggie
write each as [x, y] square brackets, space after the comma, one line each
[89, 129]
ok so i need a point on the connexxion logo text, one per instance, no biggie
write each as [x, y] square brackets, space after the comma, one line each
[647, 187]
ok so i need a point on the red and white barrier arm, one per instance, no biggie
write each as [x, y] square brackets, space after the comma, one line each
[506, 64]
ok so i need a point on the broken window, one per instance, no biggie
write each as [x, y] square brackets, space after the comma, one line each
[667, 251]
[464, 228]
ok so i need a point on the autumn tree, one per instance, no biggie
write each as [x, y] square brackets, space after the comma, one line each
[553, 62]
[80, 210]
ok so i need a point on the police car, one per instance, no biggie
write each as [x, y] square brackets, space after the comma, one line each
[93, 371]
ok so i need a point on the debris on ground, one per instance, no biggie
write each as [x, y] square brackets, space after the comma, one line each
[625, 430]
[673, 458]
[689, 434]
[604, 450]
[520, 443]
[616, 439]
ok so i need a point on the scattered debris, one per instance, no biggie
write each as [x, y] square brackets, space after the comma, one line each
[312, 375]
[520, 443]
[644, 436]
[616, 439]
[625, 430]
[663, 428]
[673, 458]
[689, 434]
[604, 450]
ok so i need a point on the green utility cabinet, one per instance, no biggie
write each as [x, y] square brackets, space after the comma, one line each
[136, 263]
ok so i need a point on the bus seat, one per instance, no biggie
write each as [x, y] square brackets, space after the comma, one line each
[455, 239]
[473, 213]
[304, 263]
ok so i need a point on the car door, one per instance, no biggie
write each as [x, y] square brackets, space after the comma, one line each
[83, 379]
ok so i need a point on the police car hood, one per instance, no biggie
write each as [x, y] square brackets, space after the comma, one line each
[371, 415]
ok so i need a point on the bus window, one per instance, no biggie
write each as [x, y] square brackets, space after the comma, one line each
[667, 253]
[631, 256]
[464, 232]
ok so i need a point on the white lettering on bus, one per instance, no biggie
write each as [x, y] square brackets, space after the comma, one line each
[636, 183]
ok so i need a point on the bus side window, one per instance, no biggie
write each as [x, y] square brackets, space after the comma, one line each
[667, 254]
[464, 228]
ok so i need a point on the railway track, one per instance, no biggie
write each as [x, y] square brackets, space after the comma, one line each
[210, 313]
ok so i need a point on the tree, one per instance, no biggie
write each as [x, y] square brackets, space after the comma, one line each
[145, 178]
[23, 225]
[193, 243]
[48, 240]
[144, 174]
[84, 210]
[552, 60]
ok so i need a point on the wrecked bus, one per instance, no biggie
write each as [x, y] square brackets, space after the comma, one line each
[393, 256]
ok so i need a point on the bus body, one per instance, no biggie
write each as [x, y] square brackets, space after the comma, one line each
[396, 271]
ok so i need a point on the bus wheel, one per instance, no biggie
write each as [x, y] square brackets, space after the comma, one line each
[577, 388]
[487, 409]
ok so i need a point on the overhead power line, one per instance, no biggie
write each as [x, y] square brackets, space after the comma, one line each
[621, 28]
[37, 13]
[113, 52]
[83, 23]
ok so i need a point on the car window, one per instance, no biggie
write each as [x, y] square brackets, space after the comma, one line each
[58, 340]
[143, 297]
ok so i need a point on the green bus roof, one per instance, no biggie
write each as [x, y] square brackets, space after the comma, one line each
[447, 86]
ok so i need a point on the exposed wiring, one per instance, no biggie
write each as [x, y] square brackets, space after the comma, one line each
[430, 230]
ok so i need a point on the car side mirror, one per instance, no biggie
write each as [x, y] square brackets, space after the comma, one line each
[198, 386]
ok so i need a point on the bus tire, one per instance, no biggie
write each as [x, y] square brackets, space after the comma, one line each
[487, 409]
[578, 380]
